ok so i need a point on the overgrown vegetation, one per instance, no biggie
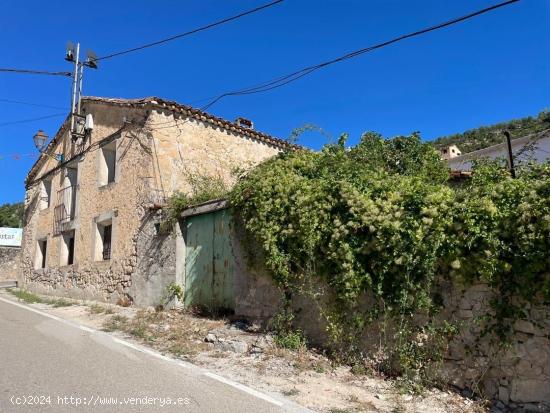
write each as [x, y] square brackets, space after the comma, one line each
[485, 136]
[203, 188]
[172, 291]
[11, 215]
[381, 227]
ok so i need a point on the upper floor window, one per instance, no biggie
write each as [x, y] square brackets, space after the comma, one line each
[107, 164]
[45, 193]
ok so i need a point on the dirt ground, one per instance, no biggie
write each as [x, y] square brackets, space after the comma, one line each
[241, 352]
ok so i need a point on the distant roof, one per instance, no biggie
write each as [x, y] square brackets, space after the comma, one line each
[480, 152]
[174, 107]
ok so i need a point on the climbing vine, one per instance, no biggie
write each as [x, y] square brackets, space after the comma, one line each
[381, 225]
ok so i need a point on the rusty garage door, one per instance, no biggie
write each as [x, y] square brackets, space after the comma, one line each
[209, 262]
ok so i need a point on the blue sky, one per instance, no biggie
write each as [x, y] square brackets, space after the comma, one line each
[489, 69]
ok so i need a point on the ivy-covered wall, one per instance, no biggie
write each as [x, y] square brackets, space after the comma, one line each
[375, 242]
[518, 375]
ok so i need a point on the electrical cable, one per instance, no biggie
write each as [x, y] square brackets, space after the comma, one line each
[199, 29]
[35, 72]
[20, 102]
[16, 122]
[286, 79]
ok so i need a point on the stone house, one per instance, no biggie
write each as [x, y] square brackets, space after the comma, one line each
[450, 152]
[92, 206]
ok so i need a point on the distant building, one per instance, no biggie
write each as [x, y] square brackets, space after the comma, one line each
[535, 147]
[450, 152]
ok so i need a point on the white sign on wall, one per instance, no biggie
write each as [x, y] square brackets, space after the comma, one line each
[11, 237]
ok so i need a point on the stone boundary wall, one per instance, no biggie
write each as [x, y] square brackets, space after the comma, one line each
[10, 258]
[518, 375]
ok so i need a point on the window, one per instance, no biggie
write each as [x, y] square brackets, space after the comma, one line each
[107, 242]
[67, 249]
[107, 164]
[41, 253]
[45, 193]
[104, 233]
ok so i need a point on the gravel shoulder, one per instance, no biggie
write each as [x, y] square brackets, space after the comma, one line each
[241, 352]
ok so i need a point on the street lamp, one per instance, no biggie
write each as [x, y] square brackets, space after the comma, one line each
[40, 139]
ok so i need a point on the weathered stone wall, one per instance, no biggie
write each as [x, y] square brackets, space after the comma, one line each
[156, 262]
[187, 147]
[10, 258]
[123, 200]
[518, 375]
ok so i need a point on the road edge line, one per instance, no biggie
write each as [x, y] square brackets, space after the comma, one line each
[153, 353]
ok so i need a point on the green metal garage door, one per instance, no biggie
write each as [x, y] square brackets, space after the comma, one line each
[209, 262]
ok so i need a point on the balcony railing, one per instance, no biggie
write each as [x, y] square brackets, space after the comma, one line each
[64, 210]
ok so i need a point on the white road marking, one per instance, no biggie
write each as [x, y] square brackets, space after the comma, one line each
[150, 352]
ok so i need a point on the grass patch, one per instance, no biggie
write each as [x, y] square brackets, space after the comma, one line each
[31, 298]
[26, 296]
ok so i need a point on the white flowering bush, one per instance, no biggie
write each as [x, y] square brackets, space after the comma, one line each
[380, 223]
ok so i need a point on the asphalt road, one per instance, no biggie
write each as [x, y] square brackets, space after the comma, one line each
[62, 368]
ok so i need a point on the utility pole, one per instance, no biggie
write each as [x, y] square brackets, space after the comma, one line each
[510, 154]
[73, 55]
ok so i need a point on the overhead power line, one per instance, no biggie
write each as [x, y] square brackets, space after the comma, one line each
[16, 122]
[35, 72]
[39, 105]
[284, 80]
[199, 29]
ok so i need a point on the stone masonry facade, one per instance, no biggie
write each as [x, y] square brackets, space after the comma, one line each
[156, 145]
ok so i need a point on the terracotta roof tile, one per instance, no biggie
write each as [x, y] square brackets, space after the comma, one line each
[175, 107]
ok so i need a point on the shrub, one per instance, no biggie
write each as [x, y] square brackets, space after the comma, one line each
[380, 224]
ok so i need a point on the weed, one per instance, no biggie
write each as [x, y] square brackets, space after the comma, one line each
[96, 309]
[116, 322]
[358, 369]
[291, 392]
[292, 340]
[60, 302]
[319, 368]
[140, 331]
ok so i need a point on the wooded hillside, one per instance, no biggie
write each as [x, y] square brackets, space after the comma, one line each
[485, 136]
[11, 215]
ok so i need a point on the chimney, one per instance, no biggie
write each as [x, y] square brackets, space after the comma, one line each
[245, 123]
